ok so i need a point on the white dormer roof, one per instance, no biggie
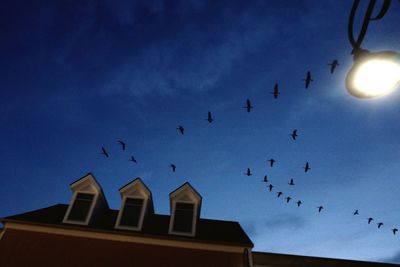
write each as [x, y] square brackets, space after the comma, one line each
[135, 190]
[185, 193]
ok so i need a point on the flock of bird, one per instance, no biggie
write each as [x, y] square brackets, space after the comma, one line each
[294, 134]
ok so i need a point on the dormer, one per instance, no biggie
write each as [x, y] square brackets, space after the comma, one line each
[185, 204]
[87, 200]
[135, 205]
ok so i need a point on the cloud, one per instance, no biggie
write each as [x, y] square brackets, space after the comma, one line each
[288, 221]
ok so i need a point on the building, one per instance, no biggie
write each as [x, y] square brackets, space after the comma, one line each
[88, 233]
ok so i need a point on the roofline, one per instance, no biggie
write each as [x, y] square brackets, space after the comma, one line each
[120, 232]
[184, 184]
[134, 180]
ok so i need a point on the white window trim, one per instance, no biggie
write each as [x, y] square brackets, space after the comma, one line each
[194, 219]
[141, 218]
[89, 216]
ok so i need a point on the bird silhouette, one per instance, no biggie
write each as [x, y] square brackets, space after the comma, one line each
[133, 159]
[270, 187]
[104, 152]
[288, 199]
[248, 172]
[173, 167]
[276, 92]
[280, 194]
[333, 65]
[271, 162]
[308, 79]
[394, 230]
[320, 208]
[291, 182]
[299, 203]
[122, 143]
[380, 224]
[370, 220]
[209, 117]
[265, 179]
[307, 167]
[181, 129]
[355, 212]
[248, 106]
[294, 134]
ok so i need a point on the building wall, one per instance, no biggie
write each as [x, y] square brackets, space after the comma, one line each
[28, 248]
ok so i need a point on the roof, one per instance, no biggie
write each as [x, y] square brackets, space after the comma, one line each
[154, 226]
[285, 260]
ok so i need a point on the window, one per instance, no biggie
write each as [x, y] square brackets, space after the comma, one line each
[80, 208]
[131, 212]
[183, 218]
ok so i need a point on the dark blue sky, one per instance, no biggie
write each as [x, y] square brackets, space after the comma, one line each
[78, 76]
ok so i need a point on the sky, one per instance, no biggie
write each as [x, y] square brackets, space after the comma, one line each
[78, 76]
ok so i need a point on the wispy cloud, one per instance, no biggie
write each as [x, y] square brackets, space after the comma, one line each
[286, 220]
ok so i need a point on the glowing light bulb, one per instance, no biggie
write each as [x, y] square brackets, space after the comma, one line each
[374, 75]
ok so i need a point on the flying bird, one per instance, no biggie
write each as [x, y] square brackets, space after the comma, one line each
[394, 230]
[133, 159]
[291, 182]
[181, 129]
[248, 106]
[380, 225]
[333, 65]
[320, 208]
[276, 92]
[271, 162]
[370, 220]
[104, 152]
[294, 134]
[308, 79]
[173, 167]
[265, 179]
[248, 172]
[288, 199]
[209, 117]
[122, 143]
[299, 203]
[280, 194]
[270, 187]
[307, 167]
[355, 212]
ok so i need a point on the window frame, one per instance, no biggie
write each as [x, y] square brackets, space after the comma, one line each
[141, 216]
[194, 218]
[91, 209]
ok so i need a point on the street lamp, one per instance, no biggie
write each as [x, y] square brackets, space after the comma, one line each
[373, 74]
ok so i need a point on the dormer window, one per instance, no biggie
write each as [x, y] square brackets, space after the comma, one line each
[81, 207]
[132, 212]
[185, 210]
[136, 204]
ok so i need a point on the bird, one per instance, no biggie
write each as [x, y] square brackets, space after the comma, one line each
[265, 179]
[248, 106]
[173, 167]
[104, 152]
[133, 159]
[288, 199]
[270, 187]
[294, 134]
[275, 93]
[291, 182]
[308, 79]
[271, 162]
[299, 203]
[355, 212]
[307, 167]
[320, 208]
[370, 220]
[122, 143]
[333, 65]
[181, 129]
[380, 224]
[209, 117]
[248, 172]
[394, 230]
[280, 194]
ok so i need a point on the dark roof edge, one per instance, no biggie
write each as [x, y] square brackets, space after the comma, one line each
[120, 232]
